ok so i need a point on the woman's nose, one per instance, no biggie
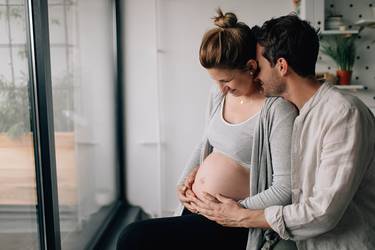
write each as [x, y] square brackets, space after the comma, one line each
[224, 89]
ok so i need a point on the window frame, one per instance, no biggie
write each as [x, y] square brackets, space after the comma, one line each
[42, 127]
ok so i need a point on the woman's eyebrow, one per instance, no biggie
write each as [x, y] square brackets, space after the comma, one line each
[227, 80]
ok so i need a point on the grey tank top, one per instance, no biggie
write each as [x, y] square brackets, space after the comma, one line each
[232, 140]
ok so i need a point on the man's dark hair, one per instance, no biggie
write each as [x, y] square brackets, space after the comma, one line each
[291, 38]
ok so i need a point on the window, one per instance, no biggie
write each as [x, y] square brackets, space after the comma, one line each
[83, 76]
[18, 197]
[82, 167]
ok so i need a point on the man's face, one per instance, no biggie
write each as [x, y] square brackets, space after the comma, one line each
[269, 77]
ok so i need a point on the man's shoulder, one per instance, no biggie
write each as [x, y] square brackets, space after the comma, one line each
[338, 102]
[338, 108]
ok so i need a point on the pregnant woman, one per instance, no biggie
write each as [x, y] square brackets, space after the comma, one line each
[244, 154]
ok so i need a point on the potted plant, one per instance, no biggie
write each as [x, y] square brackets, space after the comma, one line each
[341, 49]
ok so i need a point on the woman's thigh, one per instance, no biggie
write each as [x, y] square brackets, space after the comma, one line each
[190, 231]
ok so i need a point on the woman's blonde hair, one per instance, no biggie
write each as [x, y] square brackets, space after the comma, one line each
[230, 45]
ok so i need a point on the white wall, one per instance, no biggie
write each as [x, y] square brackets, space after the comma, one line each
[166, 88]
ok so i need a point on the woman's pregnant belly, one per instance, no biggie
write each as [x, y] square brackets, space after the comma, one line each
[219, 174]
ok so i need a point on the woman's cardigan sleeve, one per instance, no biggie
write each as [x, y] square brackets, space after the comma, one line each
[195, 156]
[280, 124]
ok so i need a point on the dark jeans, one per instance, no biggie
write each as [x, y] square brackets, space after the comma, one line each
[189, 231]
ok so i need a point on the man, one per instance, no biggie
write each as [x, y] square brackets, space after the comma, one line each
[333, 144]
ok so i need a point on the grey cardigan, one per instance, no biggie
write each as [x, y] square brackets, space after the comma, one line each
[270, 182]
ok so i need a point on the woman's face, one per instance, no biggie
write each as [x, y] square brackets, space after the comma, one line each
[237, 82]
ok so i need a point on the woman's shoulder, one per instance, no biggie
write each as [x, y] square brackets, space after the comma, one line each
[280, 106]
[214, 91]
[215, 95]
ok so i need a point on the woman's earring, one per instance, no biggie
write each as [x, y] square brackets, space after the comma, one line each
[251, 73]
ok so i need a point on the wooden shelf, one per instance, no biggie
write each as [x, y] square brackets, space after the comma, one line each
[351, 87]
[366, 23]
[338, 32]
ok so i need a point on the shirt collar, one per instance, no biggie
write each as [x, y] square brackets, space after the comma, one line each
[319, 94]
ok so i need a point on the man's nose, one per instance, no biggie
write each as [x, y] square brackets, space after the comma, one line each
[257, 79]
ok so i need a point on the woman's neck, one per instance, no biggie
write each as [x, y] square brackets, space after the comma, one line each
[253, 98]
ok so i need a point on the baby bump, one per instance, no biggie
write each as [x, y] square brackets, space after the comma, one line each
[219, 174]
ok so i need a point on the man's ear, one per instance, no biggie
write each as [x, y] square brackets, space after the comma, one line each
[282, 66]
[252, 66]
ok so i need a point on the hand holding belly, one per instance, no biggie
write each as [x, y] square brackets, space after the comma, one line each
[219, 174]
[185, 192]
[189, 180]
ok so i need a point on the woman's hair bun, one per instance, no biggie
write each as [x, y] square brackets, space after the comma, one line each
[227, 20]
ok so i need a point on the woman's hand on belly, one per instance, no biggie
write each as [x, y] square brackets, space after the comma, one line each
[190, 178]
[185, 193]
[186, 196]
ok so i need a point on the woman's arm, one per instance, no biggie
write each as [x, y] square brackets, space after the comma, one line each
[193, 163]
[194, 159]
[186, 180]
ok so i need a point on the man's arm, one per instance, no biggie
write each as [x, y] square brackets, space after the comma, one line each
[346, 153]
[228, 212]
[255, 219]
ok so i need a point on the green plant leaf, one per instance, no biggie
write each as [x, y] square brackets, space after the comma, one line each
[341, 49]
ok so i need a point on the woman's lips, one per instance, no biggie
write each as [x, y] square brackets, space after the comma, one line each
[234, 92]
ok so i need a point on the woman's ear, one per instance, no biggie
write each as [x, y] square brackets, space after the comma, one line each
[252, 66]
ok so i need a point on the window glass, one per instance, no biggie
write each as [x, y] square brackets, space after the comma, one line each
[83, 80]
[18, 196]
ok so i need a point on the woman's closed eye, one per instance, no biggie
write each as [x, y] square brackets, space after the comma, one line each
[224, 81]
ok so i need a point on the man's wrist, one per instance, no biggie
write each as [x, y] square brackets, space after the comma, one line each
[254, 219]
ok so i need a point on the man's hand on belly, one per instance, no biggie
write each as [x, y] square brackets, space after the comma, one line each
[228, 212]
[223, 210]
